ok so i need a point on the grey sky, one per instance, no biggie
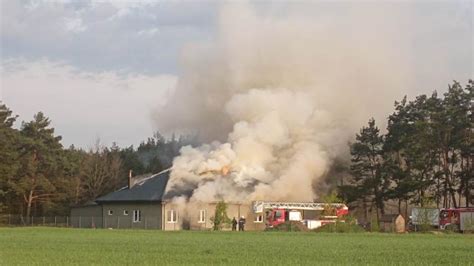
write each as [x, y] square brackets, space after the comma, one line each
[100, 35]
[99, 68]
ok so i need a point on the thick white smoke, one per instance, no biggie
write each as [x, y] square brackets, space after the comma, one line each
[273, 151]
[278, 98]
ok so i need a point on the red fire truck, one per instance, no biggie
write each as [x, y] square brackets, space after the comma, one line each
[450, 218]
[312, 214]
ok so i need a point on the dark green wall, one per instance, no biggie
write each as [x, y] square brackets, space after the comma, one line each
[151, 215]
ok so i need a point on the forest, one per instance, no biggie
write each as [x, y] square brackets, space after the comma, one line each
[425, 157]
[38, 176]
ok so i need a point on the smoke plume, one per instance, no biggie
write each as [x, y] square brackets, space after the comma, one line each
[277, 99]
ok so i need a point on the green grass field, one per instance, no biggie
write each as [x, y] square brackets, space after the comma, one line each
[61, 246]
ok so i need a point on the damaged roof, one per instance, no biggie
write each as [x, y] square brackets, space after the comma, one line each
[151, 188]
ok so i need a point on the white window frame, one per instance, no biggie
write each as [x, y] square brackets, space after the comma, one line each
[125, 212]
[202, 216]
[171, 216]
[137, 216]
[110, 212]
[258, 219]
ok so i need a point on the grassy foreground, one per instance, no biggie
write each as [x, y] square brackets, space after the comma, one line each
[61, 246]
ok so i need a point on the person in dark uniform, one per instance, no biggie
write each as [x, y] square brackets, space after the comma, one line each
[234, 224]
[242, 223]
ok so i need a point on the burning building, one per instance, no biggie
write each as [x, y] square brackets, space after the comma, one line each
[276, 99]
[144, 204]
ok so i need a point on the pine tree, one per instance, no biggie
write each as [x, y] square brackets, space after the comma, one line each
[453, 136]
[395, 141]
[8, 156]
[466, 172]
[367, 165]
[40, 159]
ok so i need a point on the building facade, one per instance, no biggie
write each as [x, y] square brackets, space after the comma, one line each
[201, 214]
[142, 205]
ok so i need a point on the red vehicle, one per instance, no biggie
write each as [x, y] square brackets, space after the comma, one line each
[450, 218]
[306, 212]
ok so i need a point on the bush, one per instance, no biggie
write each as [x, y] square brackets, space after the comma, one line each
[453, 228]
[291, 226]
[340, 227]
[220, 218]
[348, 226]
[374, 225]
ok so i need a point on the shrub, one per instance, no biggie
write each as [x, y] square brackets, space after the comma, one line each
[220, 218]
[290, 226]
[349, 225]
[374, 225]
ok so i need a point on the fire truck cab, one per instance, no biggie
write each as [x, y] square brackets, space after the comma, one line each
[451, 217]
[279, 216]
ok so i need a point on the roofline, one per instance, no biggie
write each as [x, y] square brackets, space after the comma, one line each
[128, 201]
[141, 181]
[213, 202]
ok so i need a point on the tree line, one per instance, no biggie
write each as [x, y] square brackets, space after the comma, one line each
[40, 177]
[425, 157]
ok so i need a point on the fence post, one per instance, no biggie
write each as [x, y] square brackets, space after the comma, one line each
[92, 222]
[9, 219]
[118, 222]
[44, 220]
[146, 226]
[32, 220]
[55, 222]
[80, 221]
[67, 221]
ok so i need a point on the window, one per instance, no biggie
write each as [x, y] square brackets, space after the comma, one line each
[202, 216]
[277, 214]
[171, 216]
[137, 216]
[258, 219]
[125, 212]
[110, 212]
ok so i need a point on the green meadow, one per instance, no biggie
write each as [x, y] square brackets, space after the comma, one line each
[62, 246]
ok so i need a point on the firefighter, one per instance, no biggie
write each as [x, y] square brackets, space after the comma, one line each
[234, 224]
[242, 223]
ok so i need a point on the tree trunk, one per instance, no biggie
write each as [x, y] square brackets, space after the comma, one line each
[447, 174]
[438, 192]
[406, 208]
[445, 195]
[459, 197]
[453, 198]
[29, 202]
[377, 214]
[378, 203]
[421, 199]
[467, 179]
[467, 193]
[364, 205]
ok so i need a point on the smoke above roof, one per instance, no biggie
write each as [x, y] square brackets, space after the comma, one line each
[277, 99]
